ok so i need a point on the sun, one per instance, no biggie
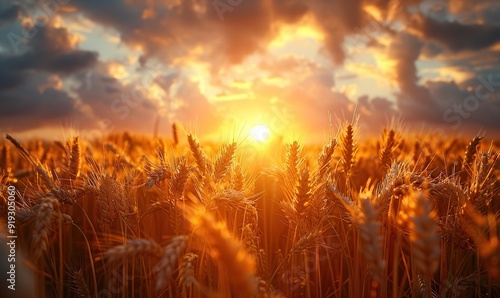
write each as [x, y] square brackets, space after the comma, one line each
[260, 133]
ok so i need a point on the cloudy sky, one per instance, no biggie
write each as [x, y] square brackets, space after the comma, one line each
[293, 65]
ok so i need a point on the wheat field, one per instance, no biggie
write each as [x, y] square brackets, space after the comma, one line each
[136, 216]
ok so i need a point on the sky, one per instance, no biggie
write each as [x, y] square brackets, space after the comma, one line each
[295, 66]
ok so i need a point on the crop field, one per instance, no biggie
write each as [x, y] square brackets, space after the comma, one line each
[133, 216]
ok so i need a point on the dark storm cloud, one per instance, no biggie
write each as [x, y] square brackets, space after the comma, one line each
[478, 104]
[9, 78]
[457, 36]
[27, 106]
[124, 16]
[474, 101]
[49, 50]
[413, 100]
[52, 50]
[376, 113]
[72, 62]
[9, 13]
[28, 95]
[491, 14]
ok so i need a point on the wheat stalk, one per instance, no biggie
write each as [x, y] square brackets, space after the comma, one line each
[5, 159]
[417, 152]
[49, 183]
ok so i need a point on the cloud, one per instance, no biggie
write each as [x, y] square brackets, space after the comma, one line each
[177, 32]
[208, 56]
[52, 50]
[26, 106]
[9, 14]
[304, 101]
[104, 99]
[132, 105]
[195, 108]
[448, 103]
[457, 36]
[490, 14]
[413, 100]
[28, 97]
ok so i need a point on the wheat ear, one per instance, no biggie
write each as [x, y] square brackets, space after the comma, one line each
[156, 172]
[175, 134]
[303, 194]
[324, 160]
[79, 286]
[470, 153]
[349, 148]
[292, 161]
[74, 160]
[43, 218]
[224, 160]
[131, 249]
[386, 153]
[199, 155]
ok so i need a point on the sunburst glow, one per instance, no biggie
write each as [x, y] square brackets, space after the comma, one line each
[260, 133]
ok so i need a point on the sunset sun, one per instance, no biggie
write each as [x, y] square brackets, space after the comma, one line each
[260, 133]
